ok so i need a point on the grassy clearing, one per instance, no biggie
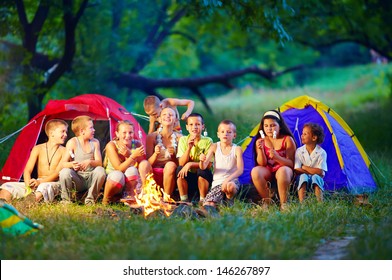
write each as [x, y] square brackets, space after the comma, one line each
[243, 231]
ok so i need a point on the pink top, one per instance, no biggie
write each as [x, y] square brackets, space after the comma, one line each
[272, 165]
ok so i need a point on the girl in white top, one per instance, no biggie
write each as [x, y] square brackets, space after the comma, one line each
[161, 150]
[228, 165]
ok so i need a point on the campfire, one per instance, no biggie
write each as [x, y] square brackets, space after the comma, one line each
[152, 198]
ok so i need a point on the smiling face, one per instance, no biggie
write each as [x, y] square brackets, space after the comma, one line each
[307, 137]
[167, 117]
[125, 134]
[59, 134]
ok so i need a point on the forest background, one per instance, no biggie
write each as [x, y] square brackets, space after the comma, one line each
[236, 59]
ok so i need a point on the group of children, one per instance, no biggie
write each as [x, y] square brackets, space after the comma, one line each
[199, 168]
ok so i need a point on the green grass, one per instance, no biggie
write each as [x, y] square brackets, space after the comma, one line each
[244, 231]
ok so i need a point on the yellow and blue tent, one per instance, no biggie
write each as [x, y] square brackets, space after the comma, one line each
[348, 163]
[14, 223]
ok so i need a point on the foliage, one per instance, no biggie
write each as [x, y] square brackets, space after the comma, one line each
[179, 39]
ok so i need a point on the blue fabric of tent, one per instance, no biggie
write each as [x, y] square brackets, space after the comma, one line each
[348, 164]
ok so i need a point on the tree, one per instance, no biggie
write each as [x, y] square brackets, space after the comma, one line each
[115, 45]
[35, 62]
[323, 23]
[44, 60]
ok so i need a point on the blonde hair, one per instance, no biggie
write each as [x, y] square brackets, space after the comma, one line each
[53, 124]
[228, 122]
[79, 123]
[123, 122]
[151, 102]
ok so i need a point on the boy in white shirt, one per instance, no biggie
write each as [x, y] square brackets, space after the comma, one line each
[311, 162]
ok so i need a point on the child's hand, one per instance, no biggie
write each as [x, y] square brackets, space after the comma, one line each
[203, 157]
[75, 166]
[33, 183]
[184, 116]
[171, 151]
[191, 142]
[272, 154]
[224, 187]
[164, 103]
[138, 152]
[157, 149]
[123, 150]
[184, 171]
[84, 164]
[259, 143]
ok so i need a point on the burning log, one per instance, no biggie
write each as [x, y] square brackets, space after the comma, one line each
[151, 199]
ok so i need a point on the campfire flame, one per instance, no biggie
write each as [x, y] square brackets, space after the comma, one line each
[152, 198]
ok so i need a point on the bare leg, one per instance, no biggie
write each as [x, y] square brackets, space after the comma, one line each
[38, 196]
[144, 169]
[110, 190]
[182, 186]
[319, 193]
[5, 195]
[169, 177]
[260, 175]
[283, 179]
[230, 190]
[302, 192]
[130, 187]
[203, 185]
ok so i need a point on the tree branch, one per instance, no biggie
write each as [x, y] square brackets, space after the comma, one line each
[70, 23]
[158, 33]
[33, 29]
[149, 85]
[21, 13]
[183, 34]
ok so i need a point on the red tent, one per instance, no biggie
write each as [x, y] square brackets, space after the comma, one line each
[105, 111]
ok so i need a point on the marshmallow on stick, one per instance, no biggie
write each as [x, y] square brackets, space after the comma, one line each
[8, 178]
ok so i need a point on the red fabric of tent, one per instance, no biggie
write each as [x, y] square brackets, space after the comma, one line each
[105, 112]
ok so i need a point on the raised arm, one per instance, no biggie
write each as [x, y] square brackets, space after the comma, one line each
[97, 161]
[290, 153]
[261, 158]
[152, 150]
[205, 161]
[174, 102]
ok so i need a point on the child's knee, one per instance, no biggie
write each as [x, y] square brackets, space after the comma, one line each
[99, 171]
[65, 173]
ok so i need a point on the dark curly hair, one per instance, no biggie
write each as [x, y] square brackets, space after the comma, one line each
[317, 130]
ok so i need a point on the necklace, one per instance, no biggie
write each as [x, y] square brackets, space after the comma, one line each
[173, 141]
[47, 155]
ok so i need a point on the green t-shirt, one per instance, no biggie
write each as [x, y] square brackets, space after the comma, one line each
[201, 148]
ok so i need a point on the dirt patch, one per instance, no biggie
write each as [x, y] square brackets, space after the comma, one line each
[334, 249]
